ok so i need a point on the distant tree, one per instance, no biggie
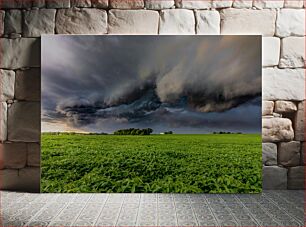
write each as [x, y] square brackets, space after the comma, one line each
[134, 131]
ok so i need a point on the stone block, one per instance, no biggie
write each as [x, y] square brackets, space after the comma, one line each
[7, 81]
[38, 22]
[242, 4]
[24, 122]
[299, 122]
[159, 4]
[221, 3]
[15, 4]
[81, 21]
[296, 176]
[33, 154]
[285, 107]
[80, 3]
[269, 154]
[2, 15]
[277, 129]
[293, 52]
[13, 155]
[24, 180]
[20, 53]
[208, 22]
[3, 121]
[274, 177]
[99, 3]
[39, 3]
[271, 51]
[126, 4]
[283, 84]
[289, 153]
[262, 4]
[248, 21]
[293, 3]
[56, 4]
[27, 86]
[290, 22]
[303, 157]
[133, 22]
[192, 4]
[13, 21]
[267, 108]
[178, 21]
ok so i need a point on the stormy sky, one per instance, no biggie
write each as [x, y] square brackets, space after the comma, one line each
[187, 84]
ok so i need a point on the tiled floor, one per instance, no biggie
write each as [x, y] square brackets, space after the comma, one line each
[271, 208]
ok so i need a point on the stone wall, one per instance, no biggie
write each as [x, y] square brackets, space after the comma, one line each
[281, 22]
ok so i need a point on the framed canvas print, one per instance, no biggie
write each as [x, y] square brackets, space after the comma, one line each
[151, 114]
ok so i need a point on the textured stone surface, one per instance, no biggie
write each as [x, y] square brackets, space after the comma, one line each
[296, 177]
[289, 153]
[126, 4]
[267, 107]
[56, 4]
[15, 4]
[290, 22]
[21, 52]
[208, 22]
[248, 21]
[293, 52]
[269, 154]
[303, 158]
[274, 177]
[2, 14]
[33, 154]
[242, 4]
[13, 155]
[221, 3]
[80, 3]
[38, 22]
[81, 21]
[270, 50]
[283, 84]
[285, 106]
[3, 121]
[13, 21]
[39, 3]
[24, 122]
[276, 130]
[178, 21]
[261, 4]
[25, 180]
[100, 3]
[27, 86]
[191, 4]
[133, 22]
[7, 81]
[293, 3]
[159, 4]
[299, 122]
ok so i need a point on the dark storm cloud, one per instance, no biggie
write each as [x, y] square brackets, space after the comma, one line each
[93, 81]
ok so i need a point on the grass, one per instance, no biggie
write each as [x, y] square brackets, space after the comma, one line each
[155, 163]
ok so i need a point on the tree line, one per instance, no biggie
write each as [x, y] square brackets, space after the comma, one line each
[134, 131]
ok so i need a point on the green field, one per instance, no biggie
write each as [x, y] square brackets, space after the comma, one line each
[156, 163]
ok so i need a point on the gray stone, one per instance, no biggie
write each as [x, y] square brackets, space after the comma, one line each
[3, 121]
[262, 4]
[303, 158]
[13, 21]
[293, 52]
[267, 107]
[285, 107]
[81, 21]
[7, 81]
[133, 22]
[56, 4]
[80, 3]
[15, 4]
[299, 122]
[293, 3]
[2, 14]
[274, 177]
[277, 129]
[39, 3]
[248, 21]
[269, 154]
[192, 4]
[296, 176]
[27, 86]
[290, 22]
[159, 4]
[178, 21]
[38, 22]
[33, 154]
[126, 4]
[13, 155]
[25, 180]
[208, 22]
[270, 51]
[283, 84]
[100, 3]
[20, 53]
[221, 3]
[242, 4]
[24, 122]
[289, 153]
